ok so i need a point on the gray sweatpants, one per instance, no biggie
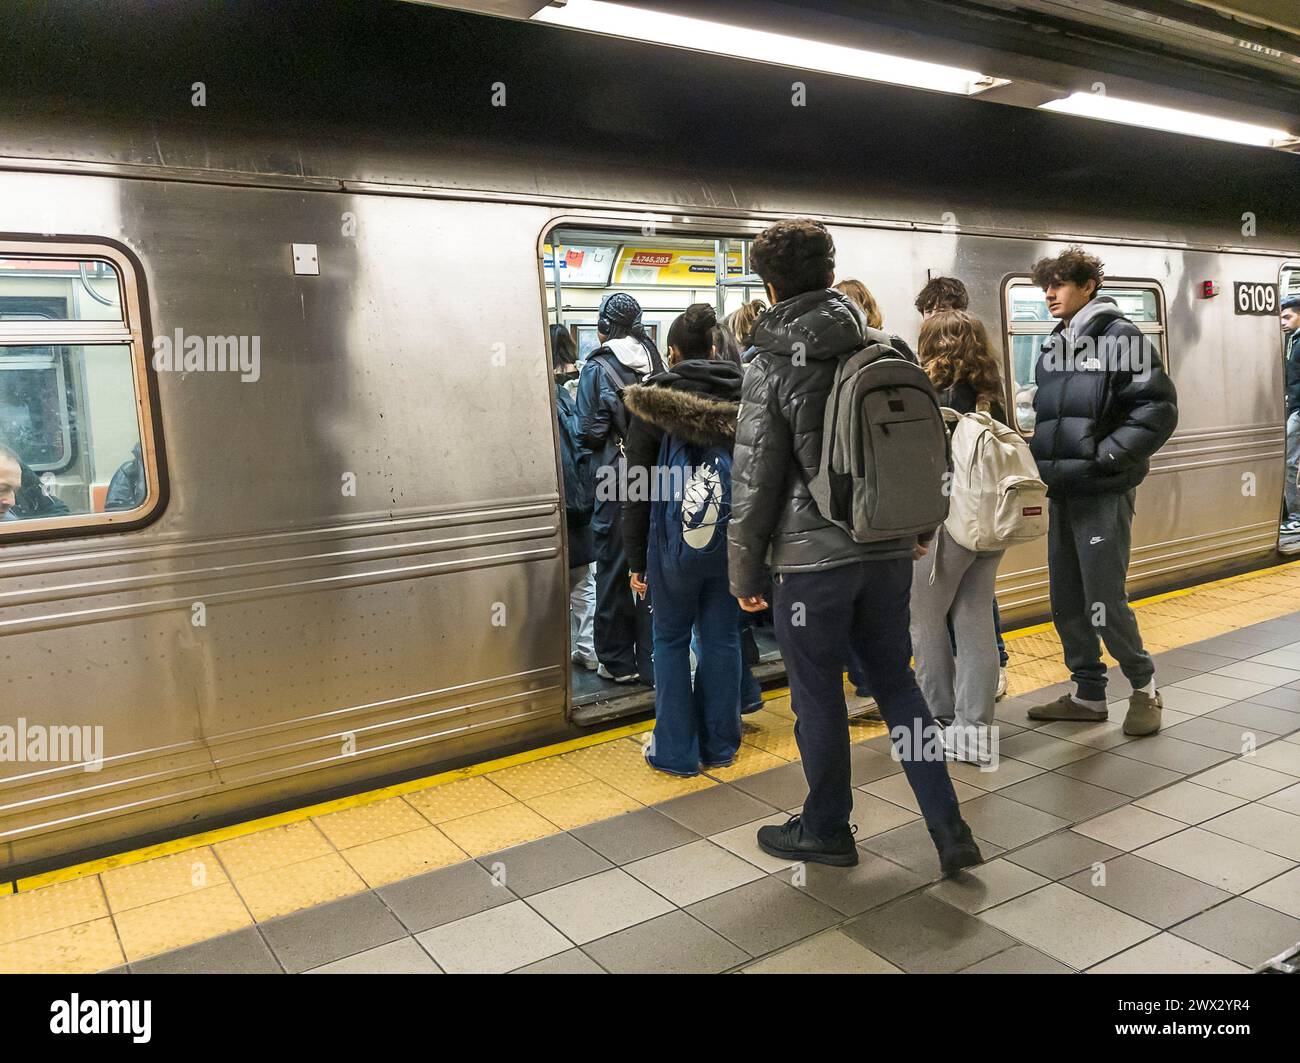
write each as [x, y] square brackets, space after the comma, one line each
[1088, 540]
[964, 688]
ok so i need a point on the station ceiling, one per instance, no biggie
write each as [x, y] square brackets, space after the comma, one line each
[1237, 59]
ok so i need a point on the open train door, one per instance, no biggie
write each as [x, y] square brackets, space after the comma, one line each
[1289, 536]
[665, 268]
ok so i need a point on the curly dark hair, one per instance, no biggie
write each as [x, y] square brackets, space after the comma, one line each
[942, 293]
[1072, 266]
[794, 257]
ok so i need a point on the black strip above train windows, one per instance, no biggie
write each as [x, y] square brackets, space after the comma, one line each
[115, 480]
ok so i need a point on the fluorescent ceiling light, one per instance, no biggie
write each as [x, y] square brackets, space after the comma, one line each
[704, 36]
[1148, 115]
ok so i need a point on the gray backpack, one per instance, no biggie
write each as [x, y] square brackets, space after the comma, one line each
[884, 457]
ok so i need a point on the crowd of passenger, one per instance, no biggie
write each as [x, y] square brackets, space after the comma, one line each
[739, 408]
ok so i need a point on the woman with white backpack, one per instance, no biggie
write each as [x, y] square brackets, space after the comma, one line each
[996, 501]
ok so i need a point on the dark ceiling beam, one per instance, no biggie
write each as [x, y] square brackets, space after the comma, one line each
[1044, 53]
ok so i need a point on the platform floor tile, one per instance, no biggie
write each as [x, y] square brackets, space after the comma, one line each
[444, 896]
[1167, 954]
[544, 864]
[1146, 890]
[673, 943]
[1241, 930]
[242, 952]
[1222, 862]
[1129, 827]
[831, 952]
[764, 915]
[634, 835]
[81, 949]
[600, 905]
[403, 855]
[404, 956]
[1068, 926]
[332, 932]
[182, 920]
[923, 935]
[498, 940]
[141, 884]
[1281, 894]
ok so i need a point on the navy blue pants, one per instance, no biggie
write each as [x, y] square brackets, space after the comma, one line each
[697, 724]
[820, 618]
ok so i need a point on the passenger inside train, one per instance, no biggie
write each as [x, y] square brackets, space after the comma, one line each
[1290, 318]
[68, 409]
[11, 480]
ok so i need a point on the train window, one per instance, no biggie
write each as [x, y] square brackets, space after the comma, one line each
[1028, 324]
[76, 446]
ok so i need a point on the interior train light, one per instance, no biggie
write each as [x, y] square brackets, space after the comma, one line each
[701, 35]
[1170, 119]
[1209, 290]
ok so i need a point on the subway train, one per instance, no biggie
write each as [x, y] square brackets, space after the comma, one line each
[275, 287]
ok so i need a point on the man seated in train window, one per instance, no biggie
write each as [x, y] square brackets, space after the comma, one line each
[30, 500]
[1291, 326]
[11, 480]
[1104, 406]
[127, 489]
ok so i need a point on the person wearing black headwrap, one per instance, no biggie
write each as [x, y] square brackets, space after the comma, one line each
[626, 355]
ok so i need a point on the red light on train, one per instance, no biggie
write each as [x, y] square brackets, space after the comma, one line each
[1209, 289]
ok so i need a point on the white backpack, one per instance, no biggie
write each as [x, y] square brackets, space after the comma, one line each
[997, 500]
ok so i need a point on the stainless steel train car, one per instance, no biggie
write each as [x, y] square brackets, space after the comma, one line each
[273, 349]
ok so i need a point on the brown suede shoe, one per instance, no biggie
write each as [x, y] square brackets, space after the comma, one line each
[1143, 714]
[1066, 708]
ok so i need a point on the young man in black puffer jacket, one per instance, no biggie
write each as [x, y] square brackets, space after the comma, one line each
[831, 593]
[1104, 406]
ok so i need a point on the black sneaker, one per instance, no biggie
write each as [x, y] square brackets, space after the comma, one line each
[791, 842]
[957, 848]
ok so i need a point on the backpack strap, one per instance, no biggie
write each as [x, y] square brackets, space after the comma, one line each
[875, 338]
[618, 383]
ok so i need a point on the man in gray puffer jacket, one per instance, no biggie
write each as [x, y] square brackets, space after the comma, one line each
[831, 593]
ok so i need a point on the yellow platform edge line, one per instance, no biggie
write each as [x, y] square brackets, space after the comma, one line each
[297, 815]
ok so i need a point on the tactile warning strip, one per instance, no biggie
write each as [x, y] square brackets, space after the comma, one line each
[93, 916]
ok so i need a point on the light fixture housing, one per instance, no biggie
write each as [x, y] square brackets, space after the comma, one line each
[720, 38]
[1170, 119]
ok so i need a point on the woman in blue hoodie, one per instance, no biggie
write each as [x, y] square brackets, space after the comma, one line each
[675, 514]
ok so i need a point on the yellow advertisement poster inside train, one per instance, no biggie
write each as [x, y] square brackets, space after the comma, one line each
[661, 265]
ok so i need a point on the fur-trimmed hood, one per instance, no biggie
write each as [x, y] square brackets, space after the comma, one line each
[696, 400]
